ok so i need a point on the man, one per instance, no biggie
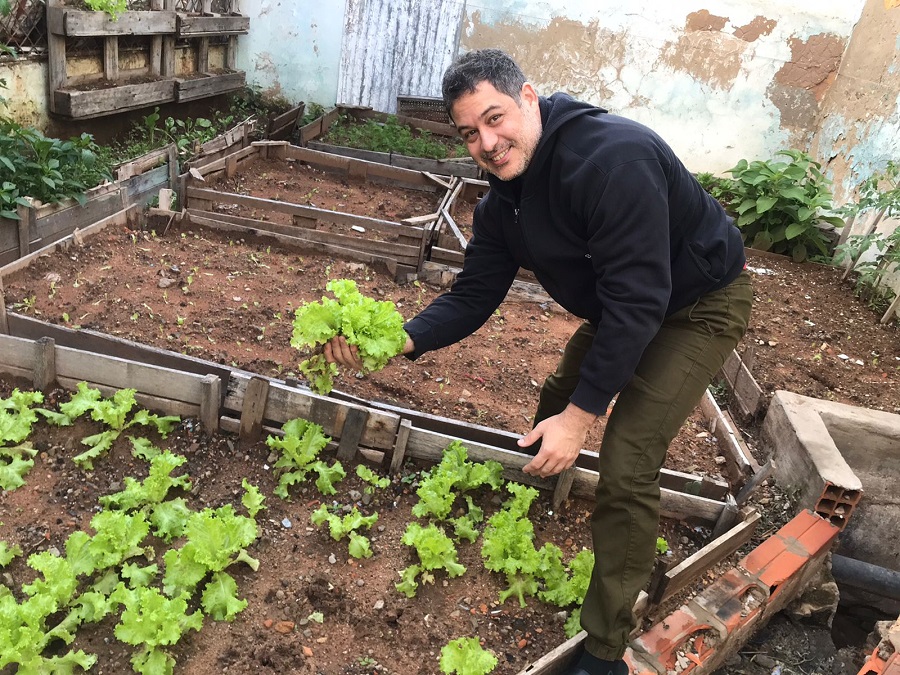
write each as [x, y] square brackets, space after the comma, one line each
[620, 234]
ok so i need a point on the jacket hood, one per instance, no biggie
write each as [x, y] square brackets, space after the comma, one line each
[556, 110]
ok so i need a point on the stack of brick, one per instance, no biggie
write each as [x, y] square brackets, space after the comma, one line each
[699, 636]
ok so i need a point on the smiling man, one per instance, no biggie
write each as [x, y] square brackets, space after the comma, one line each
[619, 233]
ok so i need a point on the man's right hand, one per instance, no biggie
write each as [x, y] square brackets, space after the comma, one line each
[338, 350]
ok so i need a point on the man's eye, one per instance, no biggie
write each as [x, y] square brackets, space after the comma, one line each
[495, 118]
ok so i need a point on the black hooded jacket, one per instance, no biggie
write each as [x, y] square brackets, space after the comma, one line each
[616, 230]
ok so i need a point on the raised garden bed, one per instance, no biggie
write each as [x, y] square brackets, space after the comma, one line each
[42, 225]
[312, 135]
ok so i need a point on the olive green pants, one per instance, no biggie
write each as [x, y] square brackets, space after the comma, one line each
[671, 377]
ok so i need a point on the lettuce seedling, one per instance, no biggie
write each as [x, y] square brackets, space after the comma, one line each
[466, 656]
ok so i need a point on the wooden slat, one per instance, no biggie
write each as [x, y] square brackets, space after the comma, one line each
[394, 173]
[429, 446]
[679, 481]
[713, 553]
[61, 223]
[4, 322]
[398, 454]
[402, 253]
[210, 403]
[746, 392]
[111, 58]
[286, 403]
[219, 164]
[157, 404]
[137, 189]
[44, 363]
[253, 409]
[193, 26]
[462, 168]
[81, 23]
[385, 264]
[123, 373]
[18, 352]
[336, 217]
[352, 433]
[191, 89]
[93, 103]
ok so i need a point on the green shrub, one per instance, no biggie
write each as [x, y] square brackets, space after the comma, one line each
[48, 169]
[781, 206]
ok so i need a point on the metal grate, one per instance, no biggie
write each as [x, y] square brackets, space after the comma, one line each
[423, 108]
[25, 28]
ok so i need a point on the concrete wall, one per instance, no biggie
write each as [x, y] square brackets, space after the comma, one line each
[719, 80]
[859, 128]
[26, 92]
[293, 48]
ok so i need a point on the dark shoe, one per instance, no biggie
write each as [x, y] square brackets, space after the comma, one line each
[589, 664]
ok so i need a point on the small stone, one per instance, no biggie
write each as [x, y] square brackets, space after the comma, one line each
[379, 605]
[307, 651]
[279, 594]
[332, 559]
[764, 661]
[360, 583]
[286, 524]
[355, 495]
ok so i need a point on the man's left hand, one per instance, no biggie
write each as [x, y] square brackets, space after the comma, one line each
[563, 437]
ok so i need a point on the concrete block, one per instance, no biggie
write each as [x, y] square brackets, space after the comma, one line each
[830, 453]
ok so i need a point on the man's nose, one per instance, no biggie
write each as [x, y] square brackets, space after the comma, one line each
[488, 140]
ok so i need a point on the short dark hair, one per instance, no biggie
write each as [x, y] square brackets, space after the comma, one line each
[482, 65]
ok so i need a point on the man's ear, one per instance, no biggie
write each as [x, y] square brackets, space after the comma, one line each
[529, 95]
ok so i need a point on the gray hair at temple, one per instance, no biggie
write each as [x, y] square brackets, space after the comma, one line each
[482, 65]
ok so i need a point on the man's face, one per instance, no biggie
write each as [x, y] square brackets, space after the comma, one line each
[500, 133]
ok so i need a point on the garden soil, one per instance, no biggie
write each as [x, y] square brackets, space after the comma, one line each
[231, 300]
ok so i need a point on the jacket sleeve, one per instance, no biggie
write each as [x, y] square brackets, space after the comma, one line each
[487, 274]
[628, 240]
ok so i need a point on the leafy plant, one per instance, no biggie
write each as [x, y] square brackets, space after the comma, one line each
[466, 656]
[113, 412]
[374, 326]
[435, 551]
[347, 526]
[47, 169]
[453, 475]
[300, 447]
[781, 205]
[112, 7]
[373, 479]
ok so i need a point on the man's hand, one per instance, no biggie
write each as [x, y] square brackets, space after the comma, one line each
[563, 437]
[338, 350]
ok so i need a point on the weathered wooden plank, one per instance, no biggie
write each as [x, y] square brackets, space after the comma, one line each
[396, 456]
[286, 403]
[285, 122]
[739, 460]
[193, 25]
[95, 103]
[355, 153]
[4, 322]
[446, 167]
[429, 446]
[210, 403]
[157, 404]
[587, 459]
[81, 23]
[385, 171]
[18, 352]
[136, 189]
[352, 433]
[714, 552]
[747, 394]
[253, 409]
[385, 264]
[563, 487]
[402, 253]
[207, 168]
[62, 223]
[44, 363]
[124, 373]
[191, 89]
[111, 58]
[365, 113]
[311, 212]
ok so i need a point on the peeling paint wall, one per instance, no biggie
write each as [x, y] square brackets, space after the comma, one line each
[719, 80]
[293, 48]
[859, 127]
[26, 92]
